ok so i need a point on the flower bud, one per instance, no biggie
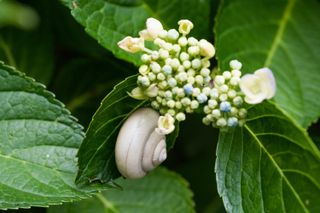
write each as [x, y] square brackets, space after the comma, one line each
[132, 45]
[206, 48]
[235, 65]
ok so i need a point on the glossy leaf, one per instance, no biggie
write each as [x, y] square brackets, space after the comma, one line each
[38, 143]
[269, 165]
[282, 35]
[160, 191]
[110, 21]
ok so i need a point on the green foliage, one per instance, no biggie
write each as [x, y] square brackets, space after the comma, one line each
[38, 144]
[269, 165]
[282, 35]
[160, 191]
[109, 21]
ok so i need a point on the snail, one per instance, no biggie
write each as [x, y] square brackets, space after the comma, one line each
[139, 147]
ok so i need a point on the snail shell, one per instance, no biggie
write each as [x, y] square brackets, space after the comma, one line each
[139, 148]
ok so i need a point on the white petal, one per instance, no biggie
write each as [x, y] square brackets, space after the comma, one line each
[269, 82]
[154, 27]
[251, 86]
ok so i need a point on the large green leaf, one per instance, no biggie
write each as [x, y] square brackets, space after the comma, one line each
[110, 21]
[282, 35]
[160, 191]
[38, 143]
[96, 153]
[269, 165]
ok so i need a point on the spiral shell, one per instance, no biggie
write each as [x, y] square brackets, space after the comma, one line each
[139, 148]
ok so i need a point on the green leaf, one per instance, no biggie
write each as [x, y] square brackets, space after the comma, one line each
[269, 165]
[96, 153]
[160, 191]
[110, 21]
[282, 35]
[38, 143]
[32, 51]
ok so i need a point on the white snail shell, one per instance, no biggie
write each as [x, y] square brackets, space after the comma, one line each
[139, 148]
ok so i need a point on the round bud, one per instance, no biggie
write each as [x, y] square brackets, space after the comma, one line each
[172, 82]
[167, 69]
[219, 80]
[224, 88]
[194, 104]
[171, 103]
[232, 93]
[235, 65]
[145, 58]
[237, 101]
[181, 116]
[185, 101]
[214, 93]
[225, 106]
[199, 79]
[184, 56]
[161, 76]
[155, 67]
[223, 97]
[182, 41]
[205, 72]
[202, 98]
[192, 41]
[151, 76]
[187, 64]
[196, 63]
[227, 74]
[188, 89]
[173, 34]
[221, 122]
[212, 103]
[216, 113]
[196, 91]
[232, 122]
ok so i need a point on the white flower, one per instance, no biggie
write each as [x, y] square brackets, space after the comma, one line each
[206, 48]
[130, 44]
[258, 86]
[165, 124]
[185, 26]
[154, 28]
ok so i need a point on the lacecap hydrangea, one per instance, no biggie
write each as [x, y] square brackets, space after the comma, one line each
[176, 77]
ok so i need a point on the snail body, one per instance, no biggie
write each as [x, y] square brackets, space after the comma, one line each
[139, 147]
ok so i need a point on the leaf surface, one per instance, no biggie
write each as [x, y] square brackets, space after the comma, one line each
[269, 165]
[110, 21]
[282, 35]
[38, 143]
[159, 191]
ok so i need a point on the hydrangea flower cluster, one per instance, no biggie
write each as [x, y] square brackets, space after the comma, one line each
[225, 105]
[175, 76]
